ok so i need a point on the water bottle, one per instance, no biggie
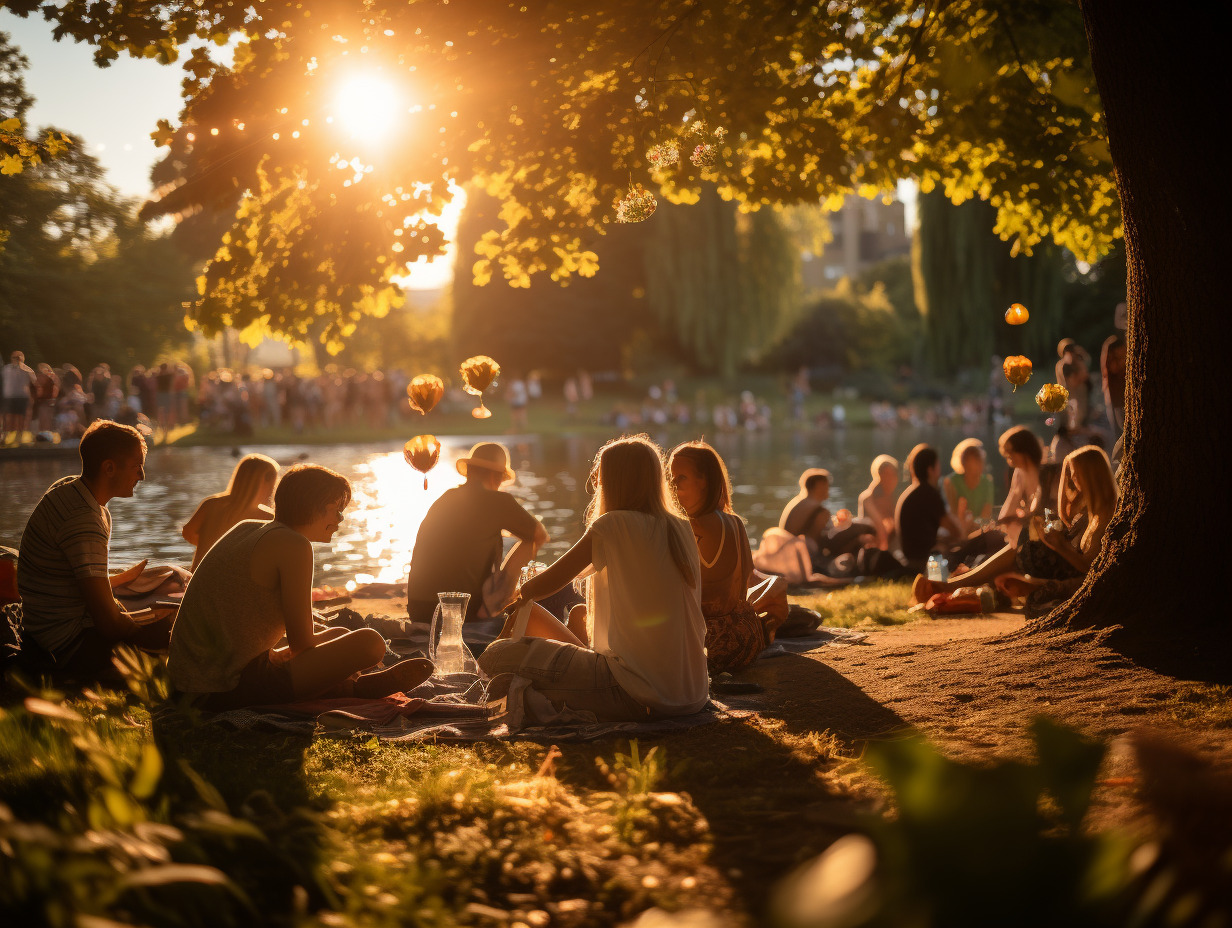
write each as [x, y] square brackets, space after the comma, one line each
[938, 569]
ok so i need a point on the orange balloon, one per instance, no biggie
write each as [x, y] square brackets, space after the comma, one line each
[478, 373]
[1017, 314]
[1017, 370]
[425, 391]
[422, 452]
[1052, 397]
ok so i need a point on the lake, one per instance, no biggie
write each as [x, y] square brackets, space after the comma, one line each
[376, 539]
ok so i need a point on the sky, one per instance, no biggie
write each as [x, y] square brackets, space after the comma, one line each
[114, 110]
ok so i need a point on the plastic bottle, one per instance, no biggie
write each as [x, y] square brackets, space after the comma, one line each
[938, 569]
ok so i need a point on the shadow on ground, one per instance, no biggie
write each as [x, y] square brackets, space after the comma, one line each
[767, 786]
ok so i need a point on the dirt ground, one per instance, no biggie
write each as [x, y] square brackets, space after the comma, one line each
[972, 684]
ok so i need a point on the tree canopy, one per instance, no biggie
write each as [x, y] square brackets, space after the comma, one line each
[558, 110]
[76, 265]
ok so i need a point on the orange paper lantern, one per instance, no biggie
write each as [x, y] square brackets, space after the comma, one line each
[425, 391]
[1017, 370]
[1017, 314]
[477, 375]
[1052, 397]
[422, 452]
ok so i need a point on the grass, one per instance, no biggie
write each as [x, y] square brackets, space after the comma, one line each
[288, 829]
[876, 603]
[1207, 705]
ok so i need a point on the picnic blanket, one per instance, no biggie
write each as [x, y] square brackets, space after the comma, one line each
[813, 641]
[454, 709]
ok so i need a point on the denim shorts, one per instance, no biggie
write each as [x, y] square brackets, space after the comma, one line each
[569, 676]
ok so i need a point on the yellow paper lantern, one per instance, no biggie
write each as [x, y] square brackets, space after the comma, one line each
[425, 391]
[422, 452]
[477, 375]
[1017, 314]
[1052, 397]
[1017, 370]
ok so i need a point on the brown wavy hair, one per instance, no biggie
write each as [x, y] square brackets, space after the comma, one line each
[712, 470]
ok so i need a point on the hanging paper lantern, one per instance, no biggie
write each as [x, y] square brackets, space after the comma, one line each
[1017, 370]
[477, 375]
[1052, 397]
[422, 452]
[663, 156]
[1017, 314]
[425, 391]
[637, 205]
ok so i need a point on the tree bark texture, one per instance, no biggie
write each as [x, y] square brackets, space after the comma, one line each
[1162, 574]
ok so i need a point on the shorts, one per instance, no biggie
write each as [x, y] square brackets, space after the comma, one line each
[16, 405]
[569, 676]
[262, 683]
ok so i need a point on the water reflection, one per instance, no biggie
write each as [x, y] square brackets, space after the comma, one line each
[378, 534]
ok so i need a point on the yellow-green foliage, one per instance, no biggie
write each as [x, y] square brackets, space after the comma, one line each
[552, 107]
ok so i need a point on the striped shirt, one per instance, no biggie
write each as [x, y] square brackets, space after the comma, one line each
[65, 541]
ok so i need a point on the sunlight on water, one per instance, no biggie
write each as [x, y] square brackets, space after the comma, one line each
[388, 506]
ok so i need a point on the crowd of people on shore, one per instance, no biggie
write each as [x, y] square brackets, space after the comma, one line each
[662, 591]
[61, 402]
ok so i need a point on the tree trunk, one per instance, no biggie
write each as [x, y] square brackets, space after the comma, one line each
[1159, 579]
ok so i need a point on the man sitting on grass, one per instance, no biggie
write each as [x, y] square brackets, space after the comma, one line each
[252, 588]
[67, 603]
[459, 544]
[806, 515]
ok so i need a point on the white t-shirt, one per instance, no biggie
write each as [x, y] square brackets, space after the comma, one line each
[647, 621]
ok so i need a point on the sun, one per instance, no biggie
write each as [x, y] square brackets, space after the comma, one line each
[368, 107]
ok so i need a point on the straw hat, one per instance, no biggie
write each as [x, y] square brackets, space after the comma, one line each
[489, 455]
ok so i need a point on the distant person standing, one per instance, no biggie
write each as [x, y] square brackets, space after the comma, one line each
[17, 385]
[46, 389]
[518, 398]
[164, 381]
[96, 396]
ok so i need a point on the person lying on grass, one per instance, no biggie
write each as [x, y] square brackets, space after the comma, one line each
[647, 653]
[252, 588]
[740, 619]
[248, 496]
[1048, 569]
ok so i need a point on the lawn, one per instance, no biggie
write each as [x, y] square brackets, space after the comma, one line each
[97, 791]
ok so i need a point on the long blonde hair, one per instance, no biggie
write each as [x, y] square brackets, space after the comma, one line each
[251, 475]
[628, 473]
[1099, 490]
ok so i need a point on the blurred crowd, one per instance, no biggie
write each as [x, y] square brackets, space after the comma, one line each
[61, 401]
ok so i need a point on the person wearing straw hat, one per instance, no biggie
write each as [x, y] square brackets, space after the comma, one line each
[459, 544]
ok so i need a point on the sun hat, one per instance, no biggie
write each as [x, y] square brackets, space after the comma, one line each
[489, 455]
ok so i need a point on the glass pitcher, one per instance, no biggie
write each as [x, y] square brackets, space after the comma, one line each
[448, 651]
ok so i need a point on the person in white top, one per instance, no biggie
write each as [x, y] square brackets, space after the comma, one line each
[643, 603]
[16, 380]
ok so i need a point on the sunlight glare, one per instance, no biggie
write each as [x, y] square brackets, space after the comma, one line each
[368, 107]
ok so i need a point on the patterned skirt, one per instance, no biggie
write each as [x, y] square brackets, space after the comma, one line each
[734, 640]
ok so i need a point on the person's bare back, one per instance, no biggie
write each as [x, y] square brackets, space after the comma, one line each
[216, 516]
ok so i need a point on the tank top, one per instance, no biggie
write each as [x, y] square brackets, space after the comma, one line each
[226, 619]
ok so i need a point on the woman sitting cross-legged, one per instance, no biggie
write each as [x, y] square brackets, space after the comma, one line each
[643, 609]
[740, 622]
[253, 587]
[248, 496]
[1049, 569]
